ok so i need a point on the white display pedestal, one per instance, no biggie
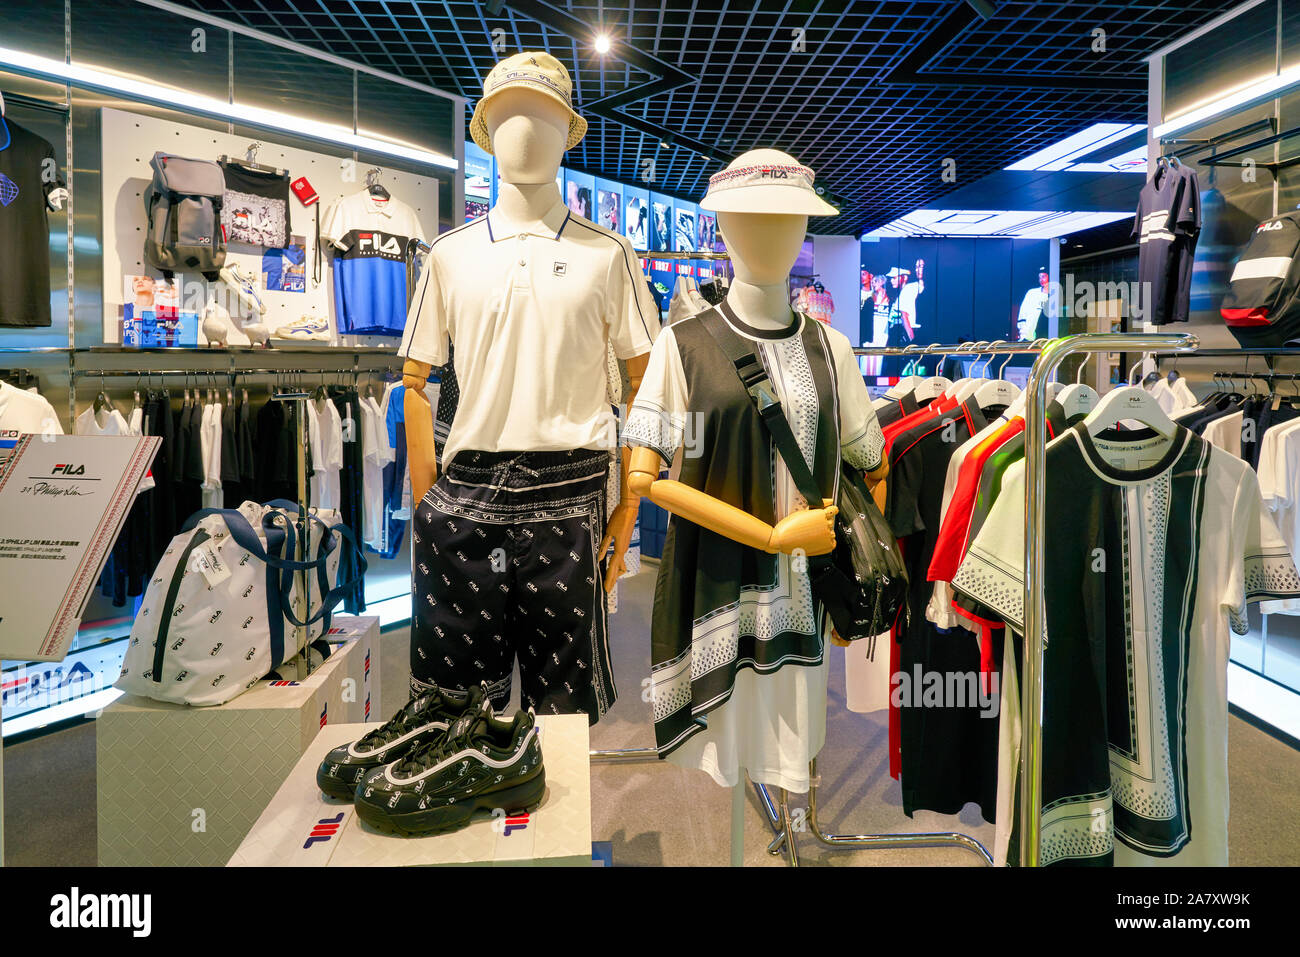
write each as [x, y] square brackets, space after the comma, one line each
[302, 827]
[181, 785]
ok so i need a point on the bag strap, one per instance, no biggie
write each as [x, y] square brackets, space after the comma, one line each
[754, 379]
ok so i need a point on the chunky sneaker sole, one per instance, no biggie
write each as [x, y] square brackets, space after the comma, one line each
[420, 720]
[480, 763]
[522, 798]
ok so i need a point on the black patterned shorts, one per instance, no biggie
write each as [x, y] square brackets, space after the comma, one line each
[506, 567]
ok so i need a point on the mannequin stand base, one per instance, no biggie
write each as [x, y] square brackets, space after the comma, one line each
[777, 811]
[778, 816]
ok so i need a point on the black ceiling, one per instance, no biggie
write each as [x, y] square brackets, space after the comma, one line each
[883, 92]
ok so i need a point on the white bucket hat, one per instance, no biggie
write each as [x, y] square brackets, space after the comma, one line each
[765, 181]
[534, 71]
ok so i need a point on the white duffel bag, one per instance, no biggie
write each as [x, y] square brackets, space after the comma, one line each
[219, 611]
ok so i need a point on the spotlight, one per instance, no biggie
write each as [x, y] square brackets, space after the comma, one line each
[602, 43]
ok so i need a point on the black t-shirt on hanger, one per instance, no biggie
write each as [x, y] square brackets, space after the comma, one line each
[29, 172]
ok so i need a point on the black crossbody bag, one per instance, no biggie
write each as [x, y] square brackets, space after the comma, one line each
[862, 583]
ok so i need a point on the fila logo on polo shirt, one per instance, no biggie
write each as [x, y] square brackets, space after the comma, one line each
[1269, 227]
[379, 244]
[559, 269]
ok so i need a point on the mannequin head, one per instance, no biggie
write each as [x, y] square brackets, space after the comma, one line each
[763, 200]
[528, 132]
[763, 246]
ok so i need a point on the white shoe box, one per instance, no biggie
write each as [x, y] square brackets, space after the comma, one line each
[303, 828]
[181, 786]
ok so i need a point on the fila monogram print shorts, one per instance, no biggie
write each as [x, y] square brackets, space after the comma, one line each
[505, 567]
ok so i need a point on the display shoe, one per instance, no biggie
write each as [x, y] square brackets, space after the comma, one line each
[308, 328]
[480, 763]
[244, 289]
[421, 720]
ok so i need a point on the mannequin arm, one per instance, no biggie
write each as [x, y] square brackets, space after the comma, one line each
[419, 429]
[812, 530]
[623, 519]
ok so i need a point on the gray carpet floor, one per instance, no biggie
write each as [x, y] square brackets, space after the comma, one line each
[657, 814]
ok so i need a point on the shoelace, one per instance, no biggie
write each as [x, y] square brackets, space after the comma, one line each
[442, 747]
[397, 725]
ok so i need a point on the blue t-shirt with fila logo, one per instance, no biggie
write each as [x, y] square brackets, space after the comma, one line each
[372, 239]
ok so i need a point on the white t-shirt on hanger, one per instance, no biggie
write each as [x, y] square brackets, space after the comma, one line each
[110, 422]
[25, 413]
[325, 429]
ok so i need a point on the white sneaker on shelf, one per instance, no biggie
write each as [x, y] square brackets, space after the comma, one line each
[234, 277]
[306, 329]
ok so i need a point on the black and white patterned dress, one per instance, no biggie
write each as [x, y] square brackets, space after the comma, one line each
[729, 619]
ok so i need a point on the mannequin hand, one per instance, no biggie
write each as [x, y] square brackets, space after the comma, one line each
[619, 534]
[810, 529]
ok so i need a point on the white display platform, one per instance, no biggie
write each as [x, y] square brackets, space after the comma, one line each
[181, 785]
[303, 828]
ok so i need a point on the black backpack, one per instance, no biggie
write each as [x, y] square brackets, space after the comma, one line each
[1262, 307]
[183, 212]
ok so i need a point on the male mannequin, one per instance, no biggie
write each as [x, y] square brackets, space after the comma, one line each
[533, 297]
[739, 673]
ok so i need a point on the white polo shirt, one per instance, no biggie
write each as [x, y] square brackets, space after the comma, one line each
[530, 314]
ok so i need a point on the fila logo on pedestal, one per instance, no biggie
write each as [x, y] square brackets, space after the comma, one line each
[384, 245]
[323, 830]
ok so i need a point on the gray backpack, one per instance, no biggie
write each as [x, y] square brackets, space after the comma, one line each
[183, 210]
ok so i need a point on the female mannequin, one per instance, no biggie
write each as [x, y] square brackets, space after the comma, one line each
[732, 608]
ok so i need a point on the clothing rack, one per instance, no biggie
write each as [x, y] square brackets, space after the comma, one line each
[1056, 351]
[678, 254]
[777, 811]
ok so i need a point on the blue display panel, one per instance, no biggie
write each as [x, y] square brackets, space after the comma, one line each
[949, 290]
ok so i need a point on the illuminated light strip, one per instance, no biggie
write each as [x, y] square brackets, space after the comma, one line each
[76, 708]
[1086, 140]
[167, 96]
[1246, 96]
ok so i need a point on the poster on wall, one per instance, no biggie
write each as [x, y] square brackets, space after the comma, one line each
[609, 202]
[478, 181]
[706, 235]
[636, 217]
[684, 236]
[579, 194]
[661, 223]
[152, 316]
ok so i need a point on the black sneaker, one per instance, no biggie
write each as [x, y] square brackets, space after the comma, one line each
[422, 719]
[481, 763]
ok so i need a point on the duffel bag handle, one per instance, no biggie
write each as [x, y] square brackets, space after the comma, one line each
[330, 597]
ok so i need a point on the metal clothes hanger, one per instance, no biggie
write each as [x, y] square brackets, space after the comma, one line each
[373, 185]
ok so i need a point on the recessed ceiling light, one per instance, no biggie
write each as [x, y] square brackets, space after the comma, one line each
[602, 43]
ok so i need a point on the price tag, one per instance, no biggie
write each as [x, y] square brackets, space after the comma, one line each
[209, 562]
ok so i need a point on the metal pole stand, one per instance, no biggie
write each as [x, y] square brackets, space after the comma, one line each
[778, 816]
